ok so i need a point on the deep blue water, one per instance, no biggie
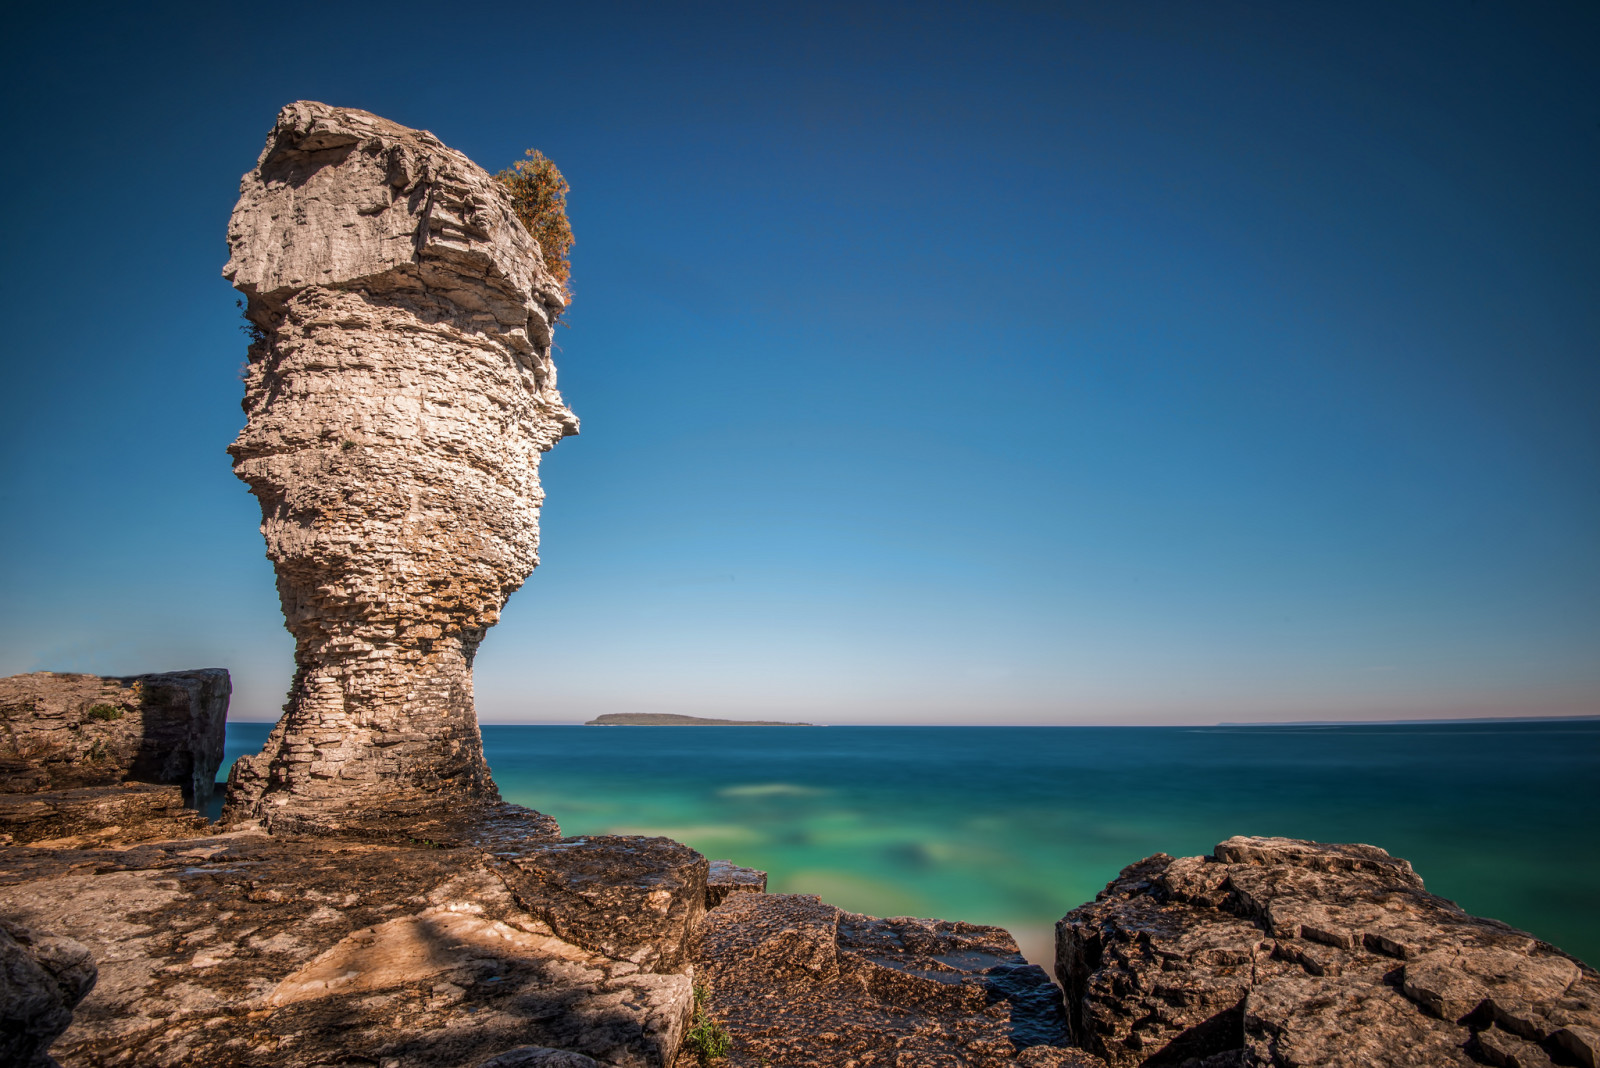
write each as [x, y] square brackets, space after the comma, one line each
[1016, 825]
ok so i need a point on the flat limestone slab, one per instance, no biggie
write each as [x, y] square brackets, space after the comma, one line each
[246, 949]
[96, 815]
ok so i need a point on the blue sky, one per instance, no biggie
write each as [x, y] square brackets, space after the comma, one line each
[1002, 363]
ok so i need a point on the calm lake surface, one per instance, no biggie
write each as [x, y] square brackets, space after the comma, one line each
[1016, 825]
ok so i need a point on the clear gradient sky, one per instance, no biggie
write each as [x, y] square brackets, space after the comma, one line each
[991, 363]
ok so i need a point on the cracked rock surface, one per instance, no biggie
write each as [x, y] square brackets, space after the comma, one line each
[801, 983]
[249, 949]
[398, 396]
[1274, 951]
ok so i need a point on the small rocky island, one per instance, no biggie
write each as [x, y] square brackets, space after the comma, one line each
[367, 898]
[668, 719]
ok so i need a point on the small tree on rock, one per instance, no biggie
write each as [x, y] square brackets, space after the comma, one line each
[539, 194]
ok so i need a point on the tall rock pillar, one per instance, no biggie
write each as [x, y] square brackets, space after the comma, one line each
[399, 393]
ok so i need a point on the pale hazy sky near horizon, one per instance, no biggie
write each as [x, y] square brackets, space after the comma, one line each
[944, 363]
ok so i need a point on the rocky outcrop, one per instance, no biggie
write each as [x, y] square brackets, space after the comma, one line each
[127, 812]
[1274, 951]
[801, 983]
[632, 898]
[250, 949]
[399, 394]
[724, 877]
[42, 978]
[59, 732]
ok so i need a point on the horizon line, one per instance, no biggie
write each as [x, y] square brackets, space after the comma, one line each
[1570, 717]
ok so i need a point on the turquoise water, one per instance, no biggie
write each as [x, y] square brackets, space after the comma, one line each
[1016, 825]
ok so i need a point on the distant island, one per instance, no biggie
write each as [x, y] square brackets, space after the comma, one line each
[667, 719]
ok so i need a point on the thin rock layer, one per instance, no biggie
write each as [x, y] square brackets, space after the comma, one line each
[399, 394]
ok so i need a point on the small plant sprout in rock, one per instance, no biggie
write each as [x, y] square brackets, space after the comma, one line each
[539, 196]
[250, 327]
[706, 1038]
[104, 713]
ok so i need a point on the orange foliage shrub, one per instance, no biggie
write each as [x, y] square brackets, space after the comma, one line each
[539, 194]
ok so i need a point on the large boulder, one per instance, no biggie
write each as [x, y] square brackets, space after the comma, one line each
[1274, 951]
[61, 731]
[630, 897]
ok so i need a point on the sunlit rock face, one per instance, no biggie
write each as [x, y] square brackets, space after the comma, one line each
[399, 393]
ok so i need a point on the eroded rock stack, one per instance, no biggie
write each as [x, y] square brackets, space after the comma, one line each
[399, 394]
[1274, 951]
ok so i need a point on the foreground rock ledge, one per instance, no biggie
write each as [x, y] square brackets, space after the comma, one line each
[517, 947]
[399, 394]
[1274, 951]
[255, 949]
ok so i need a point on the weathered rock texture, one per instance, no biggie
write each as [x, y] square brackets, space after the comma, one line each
[800, 983]
[58, 732]
[96, 815]
[632, 898]
[42, 977]
[1274, 951]
[254, 949]
[725, 877]
[398, 396]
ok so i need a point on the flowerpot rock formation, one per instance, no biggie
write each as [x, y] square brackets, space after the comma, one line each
[399, 393]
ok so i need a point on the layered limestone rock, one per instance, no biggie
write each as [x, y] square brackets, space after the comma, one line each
[725, 877]
[126, 812]
[399, 394]
[61, 732]
[1274, 951]
[803, 984]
